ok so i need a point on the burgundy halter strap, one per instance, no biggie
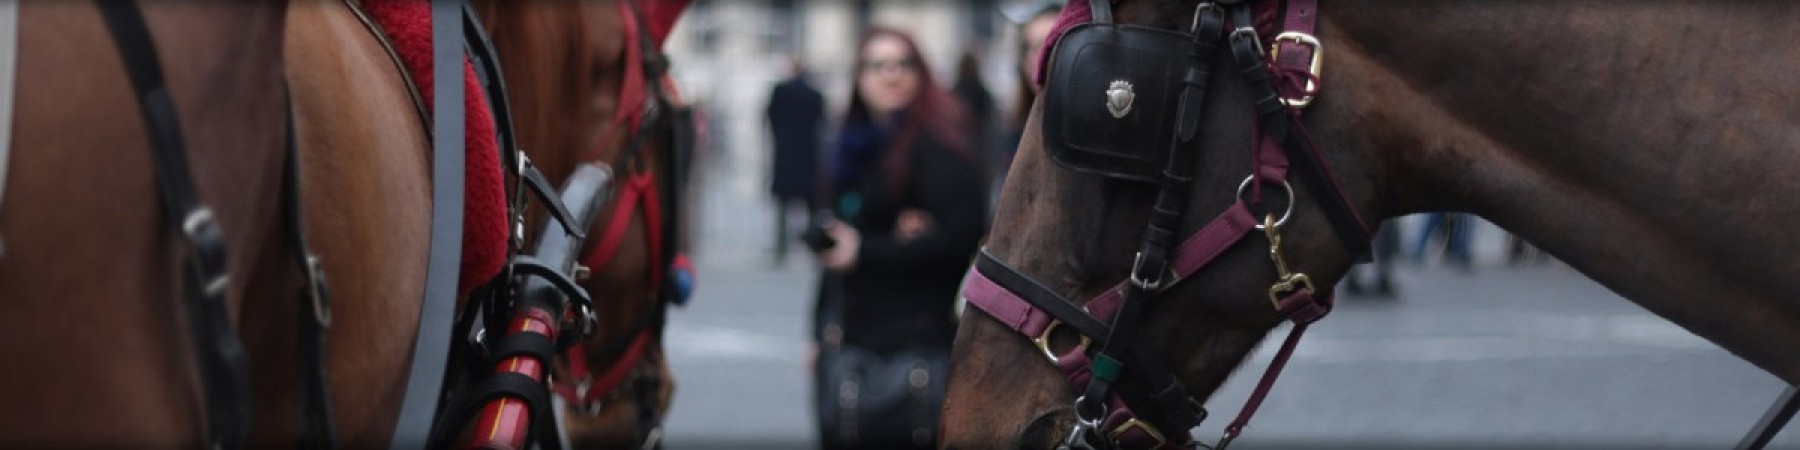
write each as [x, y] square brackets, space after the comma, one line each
[1284, 82]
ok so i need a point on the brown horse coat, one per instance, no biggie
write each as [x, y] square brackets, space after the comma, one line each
[1647, 144]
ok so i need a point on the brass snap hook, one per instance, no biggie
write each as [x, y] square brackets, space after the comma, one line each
[1286, 281]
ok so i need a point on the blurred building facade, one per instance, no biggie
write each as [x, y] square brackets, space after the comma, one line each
[728, 54]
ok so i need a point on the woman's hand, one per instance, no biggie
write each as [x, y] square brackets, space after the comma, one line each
[843, 255]
[911, 224]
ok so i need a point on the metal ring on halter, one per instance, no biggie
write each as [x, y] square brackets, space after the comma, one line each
[1043, 342]
[1084, 427]
[1285, 187]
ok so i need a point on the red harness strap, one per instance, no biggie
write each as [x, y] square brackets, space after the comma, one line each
[638, 194]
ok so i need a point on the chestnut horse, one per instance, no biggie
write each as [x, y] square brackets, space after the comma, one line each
[91, 275]
[575, 72]
[82, 206]
[88, 247]
[1629, 139]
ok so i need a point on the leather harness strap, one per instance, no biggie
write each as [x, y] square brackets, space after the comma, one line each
[224, 369]
[317, 430]
[1278, 122]
[437, 312]
[529, 179]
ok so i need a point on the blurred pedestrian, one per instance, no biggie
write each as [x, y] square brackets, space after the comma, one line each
[976, 100]
[1522, 253]
[1452, 229]
[1386, 247]
[907, 188]
[1033, 30]
[796, 115]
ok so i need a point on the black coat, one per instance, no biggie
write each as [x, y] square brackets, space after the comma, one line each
[900, 292]
[796, 114]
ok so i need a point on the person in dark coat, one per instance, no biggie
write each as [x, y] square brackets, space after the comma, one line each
[979, 103]
[908, 188]
[1033, 31]
[796, 115]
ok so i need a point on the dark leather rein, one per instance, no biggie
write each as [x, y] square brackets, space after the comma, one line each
[1121, 400]
[224, 366]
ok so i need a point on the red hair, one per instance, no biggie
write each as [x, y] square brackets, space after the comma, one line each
[933, 111]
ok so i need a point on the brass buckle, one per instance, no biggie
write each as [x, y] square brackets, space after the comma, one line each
[1043, 341]
[1139, 424]
[1318, 57]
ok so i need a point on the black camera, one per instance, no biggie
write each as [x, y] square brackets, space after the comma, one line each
[815, 237]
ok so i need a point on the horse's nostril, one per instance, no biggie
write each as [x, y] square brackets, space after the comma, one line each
[1046, 431]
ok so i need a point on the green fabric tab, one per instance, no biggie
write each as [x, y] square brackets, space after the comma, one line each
[1106, 368]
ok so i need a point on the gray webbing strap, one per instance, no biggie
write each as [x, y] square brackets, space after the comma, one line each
[431, 349]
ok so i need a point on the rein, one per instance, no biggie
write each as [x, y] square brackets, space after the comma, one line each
[223, 367]
[1122, 402]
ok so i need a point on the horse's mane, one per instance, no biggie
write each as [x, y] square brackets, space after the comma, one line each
[552, 67]
[565, 64]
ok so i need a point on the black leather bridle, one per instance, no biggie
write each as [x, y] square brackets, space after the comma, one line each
[1121, 400]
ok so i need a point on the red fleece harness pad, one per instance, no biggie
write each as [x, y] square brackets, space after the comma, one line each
[408, 25]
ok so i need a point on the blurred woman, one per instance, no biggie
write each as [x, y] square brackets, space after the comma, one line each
[908, 196]
[1033, 31]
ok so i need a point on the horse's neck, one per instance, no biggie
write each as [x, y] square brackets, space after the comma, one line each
[1648, 145]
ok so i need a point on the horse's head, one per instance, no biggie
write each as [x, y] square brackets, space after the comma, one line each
[588, 84]
[1076, 217]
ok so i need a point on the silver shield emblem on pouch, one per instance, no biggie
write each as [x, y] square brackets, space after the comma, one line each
[1118, 98]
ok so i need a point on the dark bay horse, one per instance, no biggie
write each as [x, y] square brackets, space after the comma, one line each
[1649, 145]
[579, 92]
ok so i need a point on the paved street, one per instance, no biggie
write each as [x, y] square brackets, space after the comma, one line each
[1496, 357]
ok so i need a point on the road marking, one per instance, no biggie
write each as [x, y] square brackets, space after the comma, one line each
[1525, 336]
[698, 343]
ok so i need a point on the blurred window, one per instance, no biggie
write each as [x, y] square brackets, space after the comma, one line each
[786, 28]
[981, 19]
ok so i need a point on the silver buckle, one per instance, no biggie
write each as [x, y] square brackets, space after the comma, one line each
[315, 275]
[1166, 277]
